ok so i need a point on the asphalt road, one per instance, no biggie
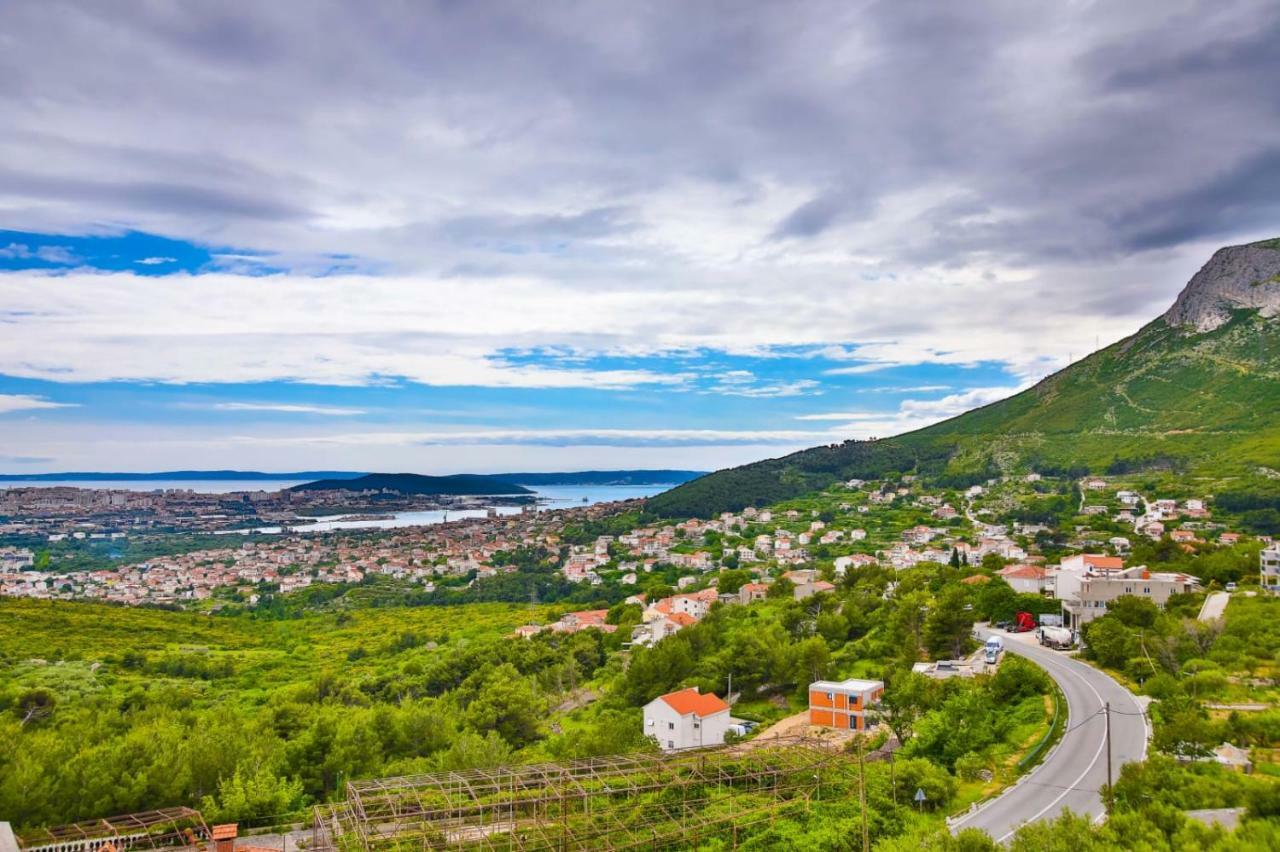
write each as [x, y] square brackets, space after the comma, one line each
[1074, 773]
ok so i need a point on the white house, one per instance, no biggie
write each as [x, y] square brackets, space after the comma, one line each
[1271, 569]
[1025, 579]
[686, 719]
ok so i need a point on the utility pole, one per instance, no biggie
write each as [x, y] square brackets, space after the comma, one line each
[862, 799]
[1107, 801]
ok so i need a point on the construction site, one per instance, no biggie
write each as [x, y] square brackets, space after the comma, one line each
[632, 801]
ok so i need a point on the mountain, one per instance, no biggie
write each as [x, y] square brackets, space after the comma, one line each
[413, 483]
[1197, 389]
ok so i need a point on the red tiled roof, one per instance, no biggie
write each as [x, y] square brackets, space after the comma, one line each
[684, 619]
[1109, 562]
[689, 700]
[1023, 572]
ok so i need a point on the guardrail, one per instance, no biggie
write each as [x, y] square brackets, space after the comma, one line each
[1030, 758]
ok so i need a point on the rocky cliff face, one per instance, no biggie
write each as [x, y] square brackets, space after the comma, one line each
[1235, 277]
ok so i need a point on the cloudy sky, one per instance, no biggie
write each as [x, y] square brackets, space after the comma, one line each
[482, 236]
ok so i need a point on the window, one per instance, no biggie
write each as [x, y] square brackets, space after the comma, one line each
[648, 723]
[671, 726]
[696, 725]
[831, 696]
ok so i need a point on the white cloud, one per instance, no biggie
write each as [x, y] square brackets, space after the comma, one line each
[354, 330]
[286, 408]
[956, 403]
[843, 415]
[156, 261]
[545, 437]
[10, 402]
[912, 414]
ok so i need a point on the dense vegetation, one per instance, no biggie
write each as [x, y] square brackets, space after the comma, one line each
[250, 717]
[1188, 665]
[1161, 400]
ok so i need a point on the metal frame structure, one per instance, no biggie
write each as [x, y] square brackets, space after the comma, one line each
[167, 828]
[616, 802]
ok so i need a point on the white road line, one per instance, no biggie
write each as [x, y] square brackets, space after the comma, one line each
[1098, 754]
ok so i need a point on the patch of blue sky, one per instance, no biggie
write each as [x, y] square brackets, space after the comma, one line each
[151, 254]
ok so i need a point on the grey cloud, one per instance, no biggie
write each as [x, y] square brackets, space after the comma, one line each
[434, 137]
[1243, 198]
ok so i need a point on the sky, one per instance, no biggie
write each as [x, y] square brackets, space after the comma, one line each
[443, 236]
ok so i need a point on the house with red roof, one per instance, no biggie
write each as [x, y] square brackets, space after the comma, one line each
[686, 719]
[1025, 579]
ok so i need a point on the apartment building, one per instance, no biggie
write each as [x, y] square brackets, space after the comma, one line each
[843, 704]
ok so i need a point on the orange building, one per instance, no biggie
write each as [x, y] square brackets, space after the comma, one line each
[843, 704]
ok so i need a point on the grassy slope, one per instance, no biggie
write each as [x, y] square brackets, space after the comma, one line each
[1207, 401]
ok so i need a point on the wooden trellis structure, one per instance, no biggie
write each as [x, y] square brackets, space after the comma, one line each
[616, 802]
[167, 828]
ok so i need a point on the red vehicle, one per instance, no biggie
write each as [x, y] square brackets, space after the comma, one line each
[1023, 622]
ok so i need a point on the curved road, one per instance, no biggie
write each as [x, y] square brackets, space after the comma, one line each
[1076, 770]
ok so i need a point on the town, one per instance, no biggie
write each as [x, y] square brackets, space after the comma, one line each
[59, 512]
[893, 524]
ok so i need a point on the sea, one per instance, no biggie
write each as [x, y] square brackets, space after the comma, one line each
[548, 496]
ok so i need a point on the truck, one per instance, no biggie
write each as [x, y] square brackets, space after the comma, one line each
[1023, 622]
[1057, 637]
[993, 648]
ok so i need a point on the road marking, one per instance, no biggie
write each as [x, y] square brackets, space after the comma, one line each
[1101, 747]
[1056, 666]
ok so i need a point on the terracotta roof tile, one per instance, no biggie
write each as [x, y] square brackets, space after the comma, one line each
[689, 700]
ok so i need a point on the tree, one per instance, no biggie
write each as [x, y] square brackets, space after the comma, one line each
[1108, 641]
[1133, 611]
[507, 703]
[907, 696]
[997, 601]
[34, 705]
[949, 625]
[781, 588]
[251, 793]
[730, 582]
[811, 660]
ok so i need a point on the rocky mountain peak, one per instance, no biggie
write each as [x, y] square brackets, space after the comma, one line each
[1235, 277]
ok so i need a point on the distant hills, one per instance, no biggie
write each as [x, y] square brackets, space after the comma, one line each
[414, 483]
[1197, 389]
[167, 475]
[585, 477]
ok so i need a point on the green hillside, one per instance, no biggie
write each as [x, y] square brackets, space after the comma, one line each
[1168, 397]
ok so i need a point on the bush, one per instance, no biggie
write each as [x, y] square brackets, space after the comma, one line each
[970, 766]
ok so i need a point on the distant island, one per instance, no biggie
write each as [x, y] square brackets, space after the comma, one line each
[604, 477]
[584, 477]
[414, 483]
